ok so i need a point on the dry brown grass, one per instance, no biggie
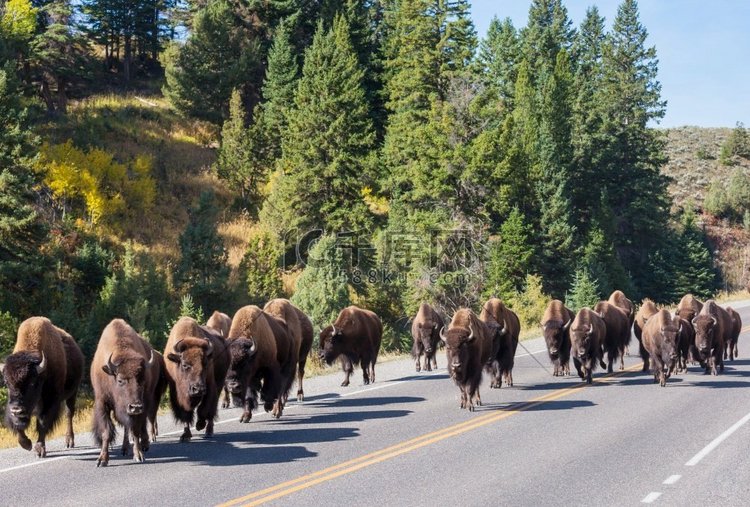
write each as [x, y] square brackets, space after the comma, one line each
[81, 424]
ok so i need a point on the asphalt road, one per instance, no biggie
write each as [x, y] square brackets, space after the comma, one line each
[404, 441]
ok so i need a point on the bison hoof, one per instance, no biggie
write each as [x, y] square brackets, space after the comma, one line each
[245, 418]
[300, 396]
[418, 368]
[428, 368]
[345, 383]
[69, 442]
[209, 431]
[124, 449]
[24, 442]
[200, 424]
[102, 462]
[138, 456]
[40, 450]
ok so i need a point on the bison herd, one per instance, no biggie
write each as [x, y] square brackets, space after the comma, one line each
[256, 356]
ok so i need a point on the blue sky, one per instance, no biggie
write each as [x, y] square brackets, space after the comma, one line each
[703, 47]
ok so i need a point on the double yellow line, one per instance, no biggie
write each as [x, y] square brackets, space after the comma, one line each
[353, 465]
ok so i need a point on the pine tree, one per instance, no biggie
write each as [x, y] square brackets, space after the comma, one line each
[510, 257]
[260, 267]
[631, 152]
[547, 32]
[21, 229]
[217, 57]
[322, 289]
[458, 41]
[695, 271]
[499, 55]
[203, 272]
[327, 147]
[584, 291]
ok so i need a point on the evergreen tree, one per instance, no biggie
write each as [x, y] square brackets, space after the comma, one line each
[216, 58]
[327, 147]
[584, 291]
[547, 32]
[203, 272]
[458, 41]
[694, 267]
[510, 257]
[260, 267]
[631, 152]
[21, 229]
[322, 289]
[499, 55]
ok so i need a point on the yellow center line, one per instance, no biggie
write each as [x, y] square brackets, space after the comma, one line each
[353, 465]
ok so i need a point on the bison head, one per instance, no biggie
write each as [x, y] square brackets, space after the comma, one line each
[332, 344]
[457, 342]
[243, 354]
[705, 329]
[24, 374]
[554, 335]
[670, 334]
[425, 334]
[191, 356]
[129, 375]
[580, 341]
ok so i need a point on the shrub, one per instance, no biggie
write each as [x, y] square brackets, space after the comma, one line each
[8, 328]
[530, 303]
[260, 266]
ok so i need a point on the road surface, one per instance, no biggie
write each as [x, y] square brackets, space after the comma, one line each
[404, 441]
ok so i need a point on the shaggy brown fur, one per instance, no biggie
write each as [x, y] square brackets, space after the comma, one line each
[505, 328]
[730, 347]
[689, 307]
[556, 329]
[661, 338]
[425, 331]
[220, 322]
[355, 337]
[39, 388]
[713, 328]
[587, 334]
[618, 332]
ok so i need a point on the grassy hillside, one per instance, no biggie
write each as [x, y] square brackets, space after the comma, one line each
[693, 165]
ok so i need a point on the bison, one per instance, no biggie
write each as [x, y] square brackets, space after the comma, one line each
[301, 330]
[713, 327]
[355, 337]
[468, 346]
[260, 361]
[220, 322]
[128, 383]
[555, 328]
[587, 334]
[619, 299]
[618, 332]
[647, 309]
[687, 345]
[730, 347]
[661, 338]
[504, 327]
[688, 307]
[44, 370]
[197, 362]
[425, 330]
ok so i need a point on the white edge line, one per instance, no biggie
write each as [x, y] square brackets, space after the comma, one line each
[672, 479]
[651, 497]
[41, 461]
[716, 441]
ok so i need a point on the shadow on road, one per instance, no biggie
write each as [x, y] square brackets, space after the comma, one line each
[293, 436]
[366, 402]
[539, 405]
[343, 417]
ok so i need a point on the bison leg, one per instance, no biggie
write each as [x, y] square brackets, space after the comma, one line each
[186, 434]
[365, 364]
[300, 376]
[44, 423]
[70, 403]
[23, 440]
[348, 370]
[125, 443]
[278, 408]
[577, 364]
[225, 403]
[644, 355]
[137, 447]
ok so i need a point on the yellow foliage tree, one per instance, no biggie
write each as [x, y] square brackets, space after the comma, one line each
[18, 22]
[94, 180]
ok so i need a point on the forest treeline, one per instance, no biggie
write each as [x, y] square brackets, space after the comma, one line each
[433, 165]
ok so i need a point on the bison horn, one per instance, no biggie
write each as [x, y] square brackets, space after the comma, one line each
[715, 321]
[334, 332]
[209, 348]
[111, 366]
[253, 347]
[503, 330]
[591, 330]
[471, 334]
[442, 334]
[179, 347]
[151, 359]
[679, 330]
[42, 365]
[567, 324]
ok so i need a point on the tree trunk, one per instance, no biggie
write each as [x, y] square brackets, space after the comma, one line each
[62, 97]
[128, 57]
[47, 96]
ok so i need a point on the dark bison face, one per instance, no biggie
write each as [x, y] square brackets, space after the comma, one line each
[458, 342]
[24, 374]
[670, 343]
[705, 327]
[129, 375]
[243, 354]
[580, 342]
[425, 332]
[554, 334]
[192, 362]
[331, 344]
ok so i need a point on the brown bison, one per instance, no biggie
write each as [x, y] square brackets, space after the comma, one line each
[220, 322]
[261, 352]
[468, 347]
[687, 345]
[301, 330]
[713, 327]
[504, 327]
[730, 347]
[647, 309]
[425, 330]
[619, 299]
[44, 370]
[688, 307]
[355, 336]
[128, 383]
[661, 338]
[587, 334]
[197, 362]
[618, 332]
[556, 330]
